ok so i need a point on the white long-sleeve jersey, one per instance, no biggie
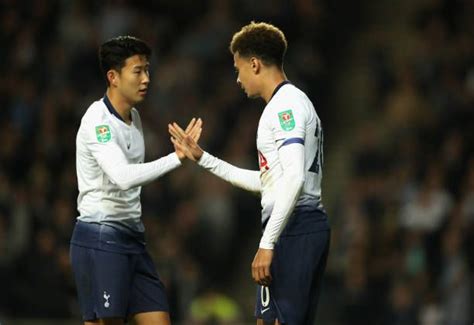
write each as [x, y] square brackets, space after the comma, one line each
[290, 155]
[110, 167]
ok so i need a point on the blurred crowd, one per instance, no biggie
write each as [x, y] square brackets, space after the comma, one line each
[403, 223]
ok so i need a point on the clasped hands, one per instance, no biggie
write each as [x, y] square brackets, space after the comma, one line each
[185, 142]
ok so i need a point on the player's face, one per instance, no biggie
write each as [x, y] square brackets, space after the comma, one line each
[246, 77]
[134, 78]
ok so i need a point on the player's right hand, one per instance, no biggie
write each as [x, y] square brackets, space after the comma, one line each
[186, 141]
[261, 267]
[193, 129]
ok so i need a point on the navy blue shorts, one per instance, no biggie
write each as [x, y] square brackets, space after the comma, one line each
[299, 261]
[115, 276]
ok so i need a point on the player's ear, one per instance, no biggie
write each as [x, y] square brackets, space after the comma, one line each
[255, 64]
[112, 77]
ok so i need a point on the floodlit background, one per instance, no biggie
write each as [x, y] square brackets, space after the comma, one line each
[393, 82]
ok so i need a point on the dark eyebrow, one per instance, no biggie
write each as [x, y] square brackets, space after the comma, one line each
[144, 66]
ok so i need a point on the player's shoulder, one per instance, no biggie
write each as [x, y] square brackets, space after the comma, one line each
[96, 113]
[289, 97]
[291, 93]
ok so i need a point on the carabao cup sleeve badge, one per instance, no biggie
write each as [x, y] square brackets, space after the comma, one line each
[103, 133]
[287, 121]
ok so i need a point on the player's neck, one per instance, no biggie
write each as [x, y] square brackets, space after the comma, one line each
[274, 78]
[122, 106]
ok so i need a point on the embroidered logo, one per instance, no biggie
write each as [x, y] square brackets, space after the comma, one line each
[106, 297]
[103, 133]
[287, 122]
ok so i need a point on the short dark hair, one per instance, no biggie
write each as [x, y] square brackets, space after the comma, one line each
[262, 40]
[114, 52]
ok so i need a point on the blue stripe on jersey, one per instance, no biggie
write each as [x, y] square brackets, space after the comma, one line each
[292, 140]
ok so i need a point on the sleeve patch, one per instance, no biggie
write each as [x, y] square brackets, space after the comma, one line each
[287, 121]
[103, 133]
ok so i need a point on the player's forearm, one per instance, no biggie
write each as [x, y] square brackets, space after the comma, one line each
[286, 196]
[133, 175]
[287, 193]
[246, 179]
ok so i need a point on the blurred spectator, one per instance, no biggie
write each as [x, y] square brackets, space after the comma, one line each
[214, 308]
[455, 284]
[402, 308]
[427, 209]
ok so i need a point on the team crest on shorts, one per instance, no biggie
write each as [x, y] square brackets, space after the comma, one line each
[287, 121]
[103, 133]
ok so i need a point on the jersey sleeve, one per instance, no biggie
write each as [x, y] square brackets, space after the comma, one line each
[286, 193]
[246, 179]
[102, 143]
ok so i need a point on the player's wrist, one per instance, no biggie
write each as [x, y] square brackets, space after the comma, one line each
[204, 157]
[177, 158]
[198, 155]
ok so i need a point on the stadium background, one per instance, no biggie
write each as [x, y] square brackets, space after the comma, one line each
[393, 82]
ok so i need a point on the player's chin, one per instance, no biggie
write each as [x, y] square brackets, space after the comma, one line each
[140, 97]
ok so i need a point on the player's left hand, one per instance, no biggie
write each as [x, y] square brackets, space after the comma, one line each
[193, 130]
[261, 266]
[186, 141]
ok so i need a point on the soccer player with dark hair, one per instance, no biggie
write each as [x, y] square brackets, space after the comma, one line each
[115, 277]
[291, 258]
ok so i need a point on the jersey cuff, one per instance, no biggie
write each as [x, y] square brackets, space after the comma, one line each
[176, 162]
[204, 160]
[265, 245]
